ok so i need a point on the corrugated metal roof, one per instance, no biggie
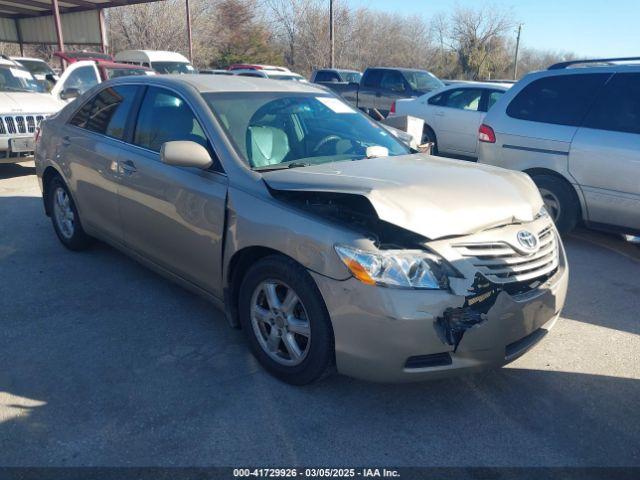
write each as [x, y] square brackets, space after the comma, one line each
[35, 8]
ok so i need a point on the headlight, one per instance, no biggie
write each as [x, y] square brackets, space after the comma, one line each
[397, 268]
[543, 213]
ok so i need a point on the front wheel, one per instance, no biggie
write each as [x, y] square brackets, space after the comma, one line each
[286, 321]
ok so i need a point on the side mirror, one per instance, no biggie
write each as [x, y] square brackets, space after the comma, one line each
[185, 154]
[51, 77]
[69, 93]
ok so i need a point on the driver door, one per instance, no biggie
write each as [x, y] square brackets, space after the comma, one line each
[173, 216]
[393, 87]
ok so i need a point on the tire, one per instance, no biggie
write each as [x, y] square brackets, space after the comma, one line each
[317, 350]
[428, 135]
[560, 200]
[66, 221]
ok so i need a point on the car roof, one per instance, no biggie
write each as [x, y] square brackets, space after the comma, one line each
[151, 56]
[123, 66]
[399, 68]
[224, 83]
[31, 59]
[471, 84]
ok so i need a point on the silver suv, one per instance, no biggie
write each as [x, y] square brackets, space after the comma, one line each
[318, 232]
[576, 132]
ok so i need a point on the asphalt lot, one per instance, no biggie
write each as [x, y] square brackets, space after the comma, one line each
[104, 363]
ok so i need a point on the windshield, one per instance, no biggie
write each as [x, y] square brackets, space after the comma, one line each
[422, 81]
[123, 72]
[36, 67]
[173, 67]
[14, 79]
[351, 77]
[280, 130]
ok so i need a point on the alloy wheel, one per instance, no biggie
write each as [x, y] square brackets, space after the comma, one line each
[63, 213]
[280, 322]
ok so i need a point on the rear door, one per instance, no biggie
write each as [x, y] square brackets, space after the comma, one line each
[90, 149]
[543, 117]
[174, 216]
[605, 154]
[457, 119]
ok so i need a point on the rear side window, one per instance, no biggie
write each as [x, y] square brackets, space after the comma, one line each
[561, 100]
[372, 78]
[464, 99]
[493, 97]
[618, 107]
[110, 110]
[392, 80]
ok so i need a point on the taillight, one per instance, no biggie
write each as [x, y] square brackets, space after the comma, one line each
[486, 134]
[393, 107]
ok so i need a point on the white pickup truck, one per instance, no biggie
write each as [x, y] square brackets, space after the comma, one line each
[22, 106]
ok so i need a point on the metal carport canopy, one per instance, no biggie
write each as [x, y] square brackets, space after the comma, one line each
[44, 21]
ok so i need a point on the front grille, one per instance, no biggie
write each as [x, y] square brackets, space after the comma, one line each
[19, 124]
[499, 262]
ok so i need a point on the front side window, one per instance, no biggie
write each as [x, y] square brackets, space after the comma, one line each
[83, 79]
[392, 80]
[421, 81]
[372, 78]
[17, 79]
[110, 109]
[165, 117]
[325, 76]
[560, 100]
[464, 99]
[351, 77]
[618, 108]
[286, 129]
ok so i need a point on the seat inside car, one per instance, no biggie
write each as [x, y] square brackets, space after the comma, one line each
[267, 145]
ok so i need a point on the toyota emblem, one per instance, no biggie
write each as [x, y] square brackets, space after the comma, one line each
[527, 239]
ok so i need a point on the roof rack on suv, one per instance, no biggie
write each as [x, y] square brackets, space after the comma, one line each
[608, 61]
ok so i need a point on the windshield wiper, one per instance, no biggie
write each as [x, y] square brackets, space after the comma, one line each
[282, 166]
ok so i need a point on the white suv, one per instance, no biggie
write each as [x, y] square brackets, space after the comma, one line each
[22, 106]
[576, 132]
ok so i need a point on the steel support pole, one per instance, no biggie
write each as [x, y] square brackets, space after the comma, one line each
[332, 60]
[103, 31]
[189, 39]
[56, 17]
[515, 61]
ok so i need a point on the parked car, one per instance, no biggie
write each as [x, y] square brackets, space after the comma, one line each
[161, 61]
[265, 71]
[452, 115]
[380, 87]
[83, 75]
[22, 106]
[335, 75]
[312, 226]
[40, 70]
[576, 132]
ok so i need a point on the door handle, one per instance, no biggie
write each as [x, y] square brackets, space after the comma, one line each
[128, 167]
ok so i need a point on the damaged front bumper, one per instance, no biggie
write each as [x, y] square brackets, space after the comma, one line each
[395, 335]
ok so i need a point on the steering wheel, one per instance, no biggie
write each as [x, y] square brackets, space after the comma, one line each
[324, 141]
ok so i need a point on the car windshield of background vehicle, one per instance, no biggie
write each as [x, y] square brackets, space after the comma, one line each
[14, 79]
[422, 81]
[123, 72]
[173, 67]
[36, 67]
[283, 130]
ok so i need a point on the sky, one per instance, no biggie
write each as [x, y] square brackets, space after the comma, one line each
[586, 27]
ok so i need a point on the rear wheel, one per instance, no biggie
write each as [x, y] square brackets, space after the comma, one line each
[428, 135]
[64, 216]
[286, 321]
[560, 201]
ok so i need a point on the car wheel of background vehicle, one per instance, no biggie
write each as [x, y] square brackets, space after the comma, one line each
[428, 135]
[286, 321]
[559, 200]
[64, 216]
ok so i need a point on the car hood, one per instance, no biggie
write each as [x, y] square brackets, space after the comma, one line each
[432, 196]
[28, 102]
